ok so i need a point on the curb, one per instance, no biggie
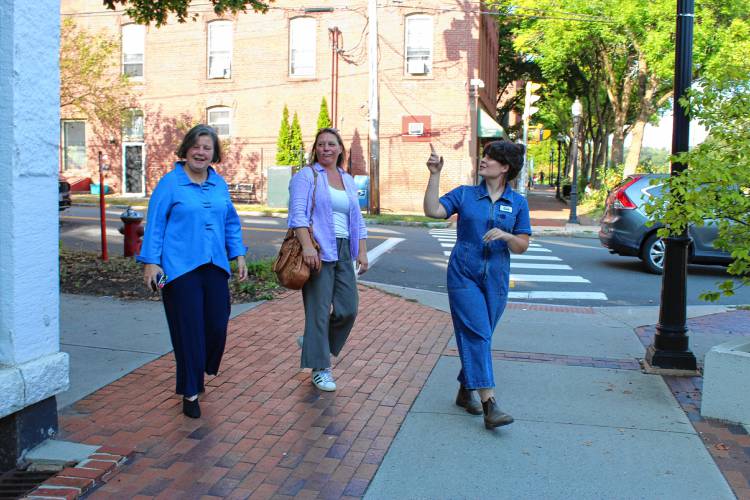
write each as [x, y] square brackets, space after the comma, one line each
[75, 482]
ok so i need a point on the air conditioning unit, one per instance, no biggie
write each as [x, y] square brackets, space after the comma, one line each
[416, 67]
[416, 128]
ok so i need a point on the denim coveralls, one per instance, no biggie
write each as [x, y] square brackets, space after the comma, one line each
[478, 273]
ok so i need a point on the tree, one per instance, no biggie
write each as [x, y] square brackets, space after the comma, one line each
[623, 47]
[282, 143]
[147, 11]
[716, 185]
[324, 120]
[91, 84]
[296, 146]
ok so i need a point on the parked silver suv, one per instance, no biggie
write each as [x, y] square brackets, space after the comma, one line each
[624, 228]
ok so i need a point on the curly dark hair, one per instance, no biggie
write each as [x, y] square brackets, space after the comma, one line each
[192, 137]
[507, 153]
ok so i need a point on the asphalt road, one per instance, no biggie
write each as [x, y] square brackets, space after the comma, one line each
[556, 270]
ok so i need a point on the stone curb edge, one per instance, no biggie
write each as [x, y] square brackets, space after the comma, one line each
[74, 482]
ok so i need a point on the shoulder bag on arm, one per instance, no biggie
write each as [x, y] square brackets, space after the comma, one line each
[290, 267]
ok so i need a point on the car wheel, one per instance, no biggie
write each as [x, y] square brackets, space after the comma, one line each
[652, 254]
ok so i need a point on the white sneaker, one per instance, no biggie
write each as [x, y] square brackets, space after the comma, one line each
[300, 341]
[323, 380]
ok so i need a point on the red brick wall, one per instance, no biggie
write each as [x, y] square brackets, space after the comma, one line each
[175, 91]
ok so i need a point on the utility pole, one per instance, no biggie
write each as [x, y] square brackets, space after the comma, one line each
[372, 52]
[670, 347]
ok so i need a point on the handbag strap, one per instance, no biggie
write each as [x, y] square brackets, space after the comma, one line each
[315, 188]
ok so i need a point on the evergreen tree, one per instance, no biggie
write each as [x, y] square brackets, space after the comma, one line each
[282, 143]
[296, 146]
[324, 120]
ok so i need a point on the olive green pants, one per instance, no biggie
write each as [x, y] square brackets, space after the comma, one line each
[331, 301]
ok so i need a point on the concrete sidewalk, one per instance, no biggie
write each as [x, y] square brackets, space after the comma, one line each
[589, 423]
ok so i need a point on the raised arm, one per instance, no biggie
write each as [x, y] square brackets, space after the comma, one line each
[432, 206]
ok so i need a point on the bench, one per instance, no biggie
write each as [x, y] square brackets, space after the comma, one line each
[243, 193]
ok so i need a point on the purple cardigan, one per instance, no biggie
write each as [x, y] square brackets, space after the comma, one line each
[300, 201]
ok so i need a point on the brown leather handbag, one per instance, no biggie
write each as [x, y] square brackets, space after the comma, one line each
[290, 267]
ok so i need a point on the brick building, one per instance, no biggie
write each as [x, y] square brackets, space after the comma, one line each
[237, 73]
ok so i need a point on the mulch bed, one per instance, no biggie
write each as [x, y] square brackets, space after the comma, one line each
[84, 273]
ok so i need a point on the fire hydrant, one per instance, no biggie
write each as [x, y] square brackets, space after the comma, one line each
[132, 230]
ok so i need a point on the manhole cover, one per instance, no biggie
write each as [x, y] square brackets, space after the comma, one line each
[16, 483]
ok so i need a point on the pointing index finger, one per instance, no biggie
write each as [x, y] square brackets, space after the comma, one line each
[432, 149]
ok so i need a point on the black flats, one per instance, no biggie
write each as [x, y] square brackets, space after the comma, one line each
[469, 400]
[191, 408]
[493, 415]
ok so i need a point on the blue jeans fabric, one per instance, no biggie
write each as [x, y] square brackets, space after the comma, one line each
[479, 272]
[197, 306]
[477, 300]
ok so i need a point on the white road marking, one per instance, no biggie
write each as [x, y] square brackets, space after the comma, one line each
[525, 265]
[547, 278]
[539, 250]
[516, 256]
[558, 295]
[374, 254]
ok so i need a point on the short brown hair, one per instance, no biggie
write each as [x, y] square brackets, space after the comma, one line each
[507, 153]
[192, 137]
[328, 130]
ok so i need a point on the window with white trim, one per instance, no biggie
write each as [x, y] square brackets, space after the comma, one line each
[302, 46]
[220, 49]
[220, 118]
[74, 144]
[133, 49]
[418, 45]
[132, 125]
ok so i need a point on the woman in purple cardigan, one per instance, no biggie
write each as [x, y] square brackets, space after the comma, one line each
[330, 295]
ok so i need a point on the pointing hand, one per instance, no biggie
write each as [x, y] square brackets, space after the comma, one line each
[434, 162]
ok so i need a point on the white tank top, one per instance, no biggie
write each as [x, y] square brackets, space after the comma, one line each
[340, 205]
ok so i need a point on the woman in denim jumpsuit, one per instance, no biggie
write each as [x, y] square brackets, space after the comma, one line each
[493, 220]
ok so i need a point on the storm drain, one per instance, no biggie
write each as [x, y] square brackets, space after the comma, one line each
[16, 483]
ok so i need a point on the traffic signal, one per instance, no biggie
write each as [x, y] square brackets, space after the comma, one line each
[531, 98]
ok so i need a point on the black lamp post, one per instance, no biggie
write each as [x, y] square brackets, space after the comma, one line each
[560, 141]
[577, 111]
[669, 349]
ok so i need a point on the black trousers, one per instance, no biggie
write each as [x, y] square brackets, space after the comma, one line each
[197, 306]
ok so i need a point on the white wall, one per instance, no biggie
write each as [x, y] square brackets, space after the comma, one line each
[31, 366]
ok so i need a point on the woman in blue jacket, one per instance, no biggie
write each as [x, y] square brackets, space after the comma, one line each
[193, 232]
[493, 220]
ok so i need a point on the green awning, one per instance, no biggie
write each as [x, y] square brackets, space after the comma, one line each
[488, 127]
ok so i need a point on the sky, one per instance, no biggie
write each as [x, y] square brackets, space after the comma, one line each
[660, 136]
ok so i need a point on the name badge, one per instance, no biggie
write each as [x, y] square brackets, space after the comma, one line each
[504, 208]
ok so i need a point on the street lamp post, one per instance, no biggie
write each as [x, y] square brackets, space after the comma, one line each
[577, 111]
[560, 140]
[669, 349]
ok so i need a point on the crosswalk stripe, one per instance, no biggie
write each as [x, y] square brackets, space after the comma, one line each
[558, 295]
[547, 278]
[526, 265]
[517, 256]
[531, 260]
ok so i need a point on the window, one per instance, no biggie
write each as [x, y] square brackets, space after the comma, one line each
[74, 144]
[302, 46]
[220, 119]
[419, 45]
[133, 42]
[132, 126]
[220, 49]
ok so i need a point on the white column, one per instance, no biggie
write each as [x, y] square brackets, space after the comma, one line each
[32, 368]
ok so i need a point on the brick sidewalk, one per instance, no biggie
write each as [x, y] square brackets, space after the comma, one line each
[266, 431]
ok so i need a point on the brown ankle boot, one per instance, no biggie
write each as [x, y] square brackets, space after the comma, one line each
[469, 400]
[493, 415]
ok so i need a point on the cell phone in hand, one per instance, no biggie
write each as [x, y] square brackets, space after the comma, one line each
[161, 280]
